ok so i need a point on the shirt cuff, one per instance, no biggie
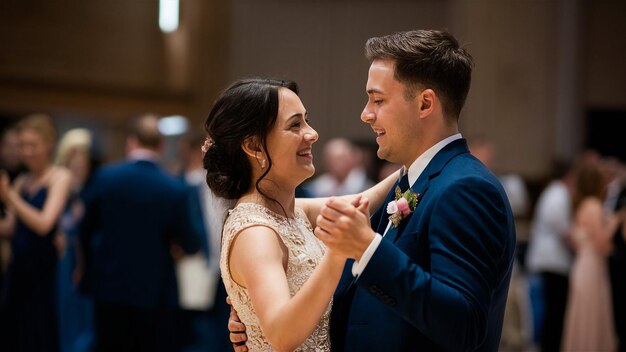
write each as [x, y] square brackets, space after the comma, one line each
[359, 266]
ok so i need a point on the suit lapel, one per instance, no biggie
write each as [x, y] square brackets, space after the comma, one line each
[432, 170]
[442, 158]
[346, 289]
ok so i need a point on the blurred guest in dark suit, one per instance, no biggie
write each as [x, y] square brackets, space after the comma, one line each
[134, 214]
[34, 203]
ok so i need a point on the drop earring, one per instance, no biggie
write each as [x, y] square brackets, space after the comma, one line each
[263, 164]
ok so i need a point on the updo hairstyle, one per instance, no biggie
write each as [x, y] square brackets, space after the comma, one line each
[248, 108]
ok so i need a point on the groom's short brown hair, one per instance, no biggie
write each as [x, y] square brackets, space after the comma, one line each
[427, 59]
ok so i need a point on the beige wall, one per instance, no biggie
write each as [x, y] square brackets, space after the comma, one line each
[528, 92]
[108, 60]
[512, 99]
[76, 53]
[320, 45]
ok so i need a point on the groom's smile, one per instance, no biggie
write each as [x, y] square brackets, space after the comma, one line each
[379, 135]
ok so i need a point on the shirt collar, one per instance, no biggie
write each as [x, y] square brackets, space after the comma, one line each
[419, 165]
[143, 154]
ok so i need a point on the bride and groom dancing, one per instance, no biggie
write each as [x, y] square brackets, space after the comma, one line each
[430, 272]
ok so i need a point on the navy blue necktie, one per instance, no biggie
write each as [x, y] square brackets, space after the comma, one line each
[404, 183]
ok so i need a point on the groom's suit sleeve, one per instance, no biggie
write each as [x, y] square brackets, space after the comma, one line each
[468, 238]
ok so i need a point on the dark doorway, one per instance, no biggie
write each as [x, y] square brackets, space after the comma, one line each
[606, 132]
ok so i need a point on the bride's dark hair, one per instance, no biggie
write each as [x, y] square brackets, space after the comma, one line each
[248, 108]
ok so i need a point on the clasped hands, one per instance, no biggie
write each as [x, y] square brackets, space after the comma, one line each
[344, 226]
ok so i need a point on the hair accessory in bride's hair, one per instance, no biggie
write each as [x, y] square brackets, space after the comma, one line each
[208, 143]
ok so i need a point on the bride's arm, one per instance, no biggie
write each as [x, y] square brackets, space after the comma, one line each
[258, 261]
[376, 195]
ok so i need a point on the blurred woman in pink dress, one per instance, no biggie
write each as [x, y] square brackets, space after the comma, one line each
[588, 319]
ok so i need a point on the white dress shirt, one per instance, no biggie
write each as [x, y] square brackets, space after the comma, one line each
[415, 170]
[547, 250]
[143, 154]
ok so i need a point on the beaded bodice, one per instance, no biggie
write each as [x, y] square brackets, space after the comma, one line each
[304, 250]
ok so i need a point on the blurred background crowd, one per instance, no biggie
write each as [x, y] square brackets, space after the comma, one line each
[84, 244]
[546, 113]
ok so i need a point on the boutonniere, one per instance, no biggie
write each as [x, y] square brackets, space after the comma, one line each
[404, 205]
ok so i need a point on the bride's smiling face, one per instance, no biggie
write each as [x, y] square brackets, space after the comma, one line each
[290, 141]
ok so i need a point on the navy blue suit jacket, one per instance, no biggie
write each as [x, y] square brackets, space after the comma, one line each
[134, 213]
[440, 282]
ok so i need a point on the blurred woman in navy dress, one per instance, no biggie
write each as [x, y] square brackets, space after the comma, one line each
[35, 202]
[76, 152]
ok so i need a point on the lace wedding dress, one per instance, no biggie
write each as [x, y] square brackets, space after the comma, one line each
[305, 252]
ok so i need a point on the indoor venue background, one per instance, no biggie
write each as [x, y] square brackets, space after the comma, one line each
[549, 79]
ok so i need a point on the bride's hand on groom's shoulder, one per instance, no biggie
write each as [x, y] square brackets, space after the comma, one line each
[345, 227]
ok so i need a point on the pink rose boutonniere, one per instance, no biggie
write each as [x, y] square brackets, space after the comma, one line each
[404, 205]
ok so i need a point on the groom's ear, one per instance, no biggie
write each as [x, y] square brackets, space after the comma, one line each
[428, 100]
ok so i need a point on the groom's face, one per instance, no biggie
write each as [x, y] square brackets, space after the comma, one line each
[391, 114]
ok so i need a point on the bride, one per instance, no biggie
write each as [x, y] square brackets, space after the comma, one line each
[278, 275]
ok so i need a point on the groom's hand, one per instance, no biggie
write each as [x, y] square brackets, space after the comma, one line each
[237, 330]
[345, 227]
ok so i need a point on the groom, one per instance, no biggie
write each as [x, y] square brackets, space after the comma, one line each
[436, 277]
